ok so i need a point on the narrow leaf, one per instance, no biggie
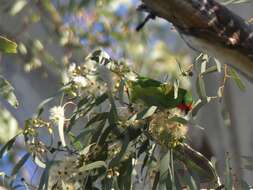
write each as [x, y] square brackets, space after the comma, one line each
[7, 46]
[229, 176]
[19, 165]
[237, 79]
[44, 177]
[92, 166]
[7, 92]
[39, 162]
[189, 179]
[147, 113]
[179, 120]
[210, 70]
[201, 90]
[17, 7]
[196, 107]
[7, 146]
[96, 118]
[218, 64]
[156, 181]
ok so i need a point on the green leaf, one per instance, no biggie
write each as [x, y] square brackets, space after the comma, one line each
[226, 2]
[82, 103]
[125, 142]
[86, 149]
[218, 64]
[84, 133]
[237, 79]
[147, 112]
[7, 92]
[196, 107]
[39, 163]
[92, 166]
[211, 69]
[99, 100]
[98, 117]
[201, 90]
[156, 181]
[17, 7]
[7, 46]
[228, 175]
[191, 158]
[178, 119]
[126, 174]
[7, 146]
[144, 163]
[77, 145]
[203, 63]
[176, 88]
[144, 147]
[115, 184]
[21, 162]
[189, 179]
[45, 176]
[8, 126]
[99, 133]
[121, 91]
[6, 181]
[167, 171]
[226, 116]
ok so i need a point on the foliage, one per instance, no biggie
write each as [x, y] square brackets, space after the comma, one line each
[126, 128]
[133, 128]
[7, 45]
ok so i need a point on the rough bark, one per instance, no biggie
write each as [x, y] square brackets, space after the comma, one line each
[211, 28]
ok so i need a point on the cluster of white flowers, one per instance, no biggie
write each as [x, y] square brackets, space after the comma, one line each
[89, 77]
[84, 79]
[74, 74]
[56, 113]
[166, 131]
[66, 175]
[80, 81]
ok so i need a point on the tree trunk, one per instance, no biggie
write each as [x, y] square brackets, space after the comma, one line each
[209, 27]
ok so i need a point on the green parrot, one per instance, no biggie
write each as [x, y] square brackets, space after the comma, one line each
[155, 93]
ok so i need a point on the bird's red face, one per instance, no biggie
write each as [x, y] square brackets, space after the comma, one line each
[185, 107]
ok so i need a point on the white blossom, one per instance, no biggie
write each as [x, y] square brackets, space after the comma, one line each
[65, 173]
[131, 76]
[80, 81]
[72, 69]
[91, 66]
[56, 113]
[92, 78]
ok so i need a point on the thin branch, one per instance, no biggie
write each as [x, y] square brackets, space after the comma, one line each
[210, 28]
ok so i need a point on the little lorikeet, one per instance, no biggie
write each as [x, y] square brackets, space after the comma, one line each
[155, 93]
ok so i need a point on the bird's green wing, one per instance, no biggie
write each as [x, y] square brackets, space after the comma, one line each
[155, 93]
